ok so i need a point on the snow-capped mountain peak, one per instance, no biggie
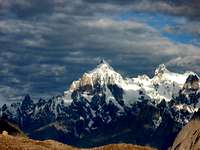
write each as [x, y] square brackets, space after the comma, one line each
[164, 85]
[162, 74]
[103, 74]
[161, 70]
[103, 69]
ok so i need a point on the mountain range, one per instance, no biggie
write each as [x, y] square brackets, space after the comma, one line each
[103, 107]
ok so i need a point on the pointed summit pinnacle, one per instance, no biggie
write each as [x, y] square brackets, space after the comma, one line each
[103, 74]
[104, 64]
[102, 61]
[161, 69]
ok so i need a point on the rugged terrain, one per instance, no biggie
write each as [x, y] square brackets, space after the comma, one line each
[21, 143]
[103, 107]
[189, 136]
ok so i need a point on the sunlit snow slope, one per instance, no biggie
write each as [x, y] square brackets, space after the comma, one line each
[164, 85]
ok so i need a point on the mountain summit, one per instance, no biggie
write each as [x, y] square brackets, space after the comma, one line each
[103, 62]
[103, 74]
[161, 69]
[164, 85]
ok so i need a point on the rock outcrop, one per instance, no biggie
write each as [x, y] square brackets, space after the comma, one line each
[189, 136]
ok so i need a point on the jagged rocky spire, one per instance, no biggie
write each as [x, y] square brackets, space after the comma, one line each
[102, 61]
[192, 82]
[161, 69]
[103, 64]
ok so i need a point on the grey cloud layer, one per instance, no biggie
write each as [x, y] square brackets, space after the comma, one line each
[43, 50]
[24, 8]
[188, 8]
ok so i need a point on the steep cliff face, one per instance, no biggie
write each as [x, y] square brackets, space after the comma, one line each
[189, 137]
[192, 83]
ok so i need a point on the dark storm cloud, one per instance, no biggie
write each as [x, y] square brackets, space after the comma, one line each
[26, 8]
[187, 8]
[45, 45]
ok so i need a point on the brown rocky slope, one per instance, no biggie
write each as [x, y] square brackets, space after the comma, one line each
[189, 137]
[8, 142]
[14, 139]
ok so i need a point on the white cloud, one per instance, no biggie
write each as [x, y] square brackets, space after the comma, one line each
[191, 63]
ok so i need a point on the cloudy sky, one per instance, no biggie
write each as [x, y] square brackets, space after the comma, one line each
[46, 44]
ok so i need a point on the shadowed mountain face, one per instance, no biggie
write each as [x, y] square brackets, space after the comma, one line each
[102, 107]
[189, 137]
[11, 129]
